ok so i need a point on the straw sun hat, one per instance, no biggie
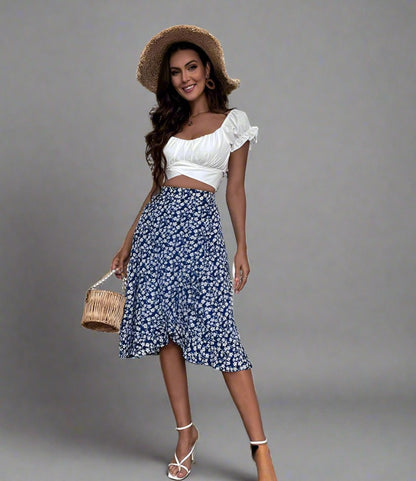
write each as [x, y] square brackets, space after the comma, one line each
[152, 55]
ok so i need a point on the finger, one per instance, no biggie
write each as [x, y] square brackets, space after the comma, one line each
[120, 272]
[237, 280]
[237, 277]
[123, 269]
[234, 277]
[236, 283]
[242, 280]
[240, 285]
[117, 267]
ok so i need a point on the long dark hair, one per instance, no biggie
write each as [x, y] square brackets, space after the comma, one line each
[172, 111]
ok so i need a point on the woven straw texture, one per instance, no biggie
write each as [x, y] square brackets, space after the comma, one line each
[103, 310]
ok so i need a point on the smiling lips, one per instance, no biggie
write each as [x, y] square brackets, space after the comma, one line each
[189, 88]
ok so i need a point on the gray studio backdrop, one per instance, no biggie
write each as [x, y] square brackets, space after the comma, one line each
[328, 314]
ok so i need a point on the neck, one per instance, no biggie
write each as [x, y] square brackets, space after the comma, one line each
[199, 105]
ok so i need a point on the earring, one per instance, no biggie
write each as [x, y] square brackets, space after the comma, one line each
[210, 83]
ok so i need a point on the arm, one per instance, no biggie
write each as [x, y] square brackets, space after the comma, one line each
[236, 202]
[121, 259]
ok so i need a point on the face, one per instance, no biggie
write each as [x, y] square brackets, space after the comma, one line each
[188, 74]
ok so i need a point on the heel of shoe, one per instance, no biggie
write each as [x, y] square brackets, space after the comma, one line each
[193, 455]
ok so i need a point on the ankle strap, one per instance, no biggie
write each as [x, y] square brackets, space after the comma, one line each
[184, 427]
[256, 443]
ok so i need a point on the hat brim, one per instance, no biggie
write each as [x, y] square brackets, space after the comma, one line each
[151, 57]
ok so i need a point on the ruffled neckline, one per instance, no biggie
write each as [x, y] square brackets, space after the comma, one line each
[205, 135]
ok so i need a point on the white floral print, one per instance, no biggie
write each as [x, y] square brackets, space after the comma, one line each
[179, 285]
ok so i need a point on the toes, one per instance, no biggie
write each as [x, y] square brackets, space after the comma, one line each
[180, 473]
[175, 472]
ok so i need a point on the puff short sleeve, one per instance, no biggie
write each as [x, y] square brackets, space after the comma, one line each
[241, 130]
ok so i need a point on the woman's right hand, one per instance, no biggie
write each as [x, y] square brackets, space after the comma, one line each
[120, 261]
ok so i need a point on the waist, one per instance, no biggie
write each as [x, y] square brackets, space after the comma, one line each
[186, 182]
[186, 192]
[204, 174]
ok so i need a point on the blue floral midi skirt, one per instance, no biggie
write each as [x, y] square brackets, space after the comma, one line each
[179, 285]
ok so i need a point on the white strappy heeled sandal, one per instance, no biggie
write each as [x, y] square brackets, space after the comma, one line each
[179, 464]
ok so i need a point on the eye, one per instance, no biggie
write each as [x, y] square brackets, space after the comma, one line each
[192, 67]
[173, 72]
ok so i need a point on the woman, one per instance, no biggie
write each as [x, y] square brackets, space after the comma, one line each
[179, 289]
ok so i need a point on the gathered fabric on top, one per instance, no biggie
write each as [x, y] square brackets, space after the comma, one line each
[206, 158]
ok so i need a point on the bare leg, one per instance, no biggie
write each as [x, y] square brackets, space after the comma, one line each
[174, 374]
[242, 390]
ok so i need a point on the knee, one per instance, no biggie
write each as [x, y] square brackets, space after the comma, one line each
[170, 346]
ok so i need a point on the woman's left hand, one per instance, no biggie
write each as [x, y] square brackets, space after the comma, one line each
[242, 270]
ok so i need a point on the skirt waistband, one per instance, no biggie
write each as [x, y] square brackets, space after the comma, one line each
[186, 193]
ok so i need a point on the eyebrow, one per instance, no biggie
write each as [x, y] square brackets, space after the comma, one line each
[190, 61]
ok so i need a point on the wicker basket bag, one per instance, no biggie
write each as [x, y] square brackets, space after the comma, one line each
[103, 310]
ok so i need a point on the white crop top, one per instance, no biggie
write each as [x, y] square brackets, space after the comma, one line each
[206, 158]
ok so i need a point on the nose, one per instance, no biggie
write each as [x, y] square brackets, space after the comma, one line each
[185, 76]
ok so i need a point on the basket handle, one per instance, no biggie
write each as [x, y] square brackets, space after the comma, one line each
[106, 276]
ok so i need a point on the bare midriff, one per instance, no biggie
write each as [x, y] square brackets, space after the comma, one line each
[188, 183]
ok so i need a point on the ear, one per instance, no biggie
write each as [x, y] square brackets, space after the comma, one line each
[207, 69]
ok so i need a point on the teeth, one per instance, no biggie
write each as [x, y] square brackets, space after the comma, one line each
[187, 89]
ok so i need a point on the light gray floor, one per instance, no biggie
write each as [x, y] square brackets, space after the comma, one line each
[312, 438]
